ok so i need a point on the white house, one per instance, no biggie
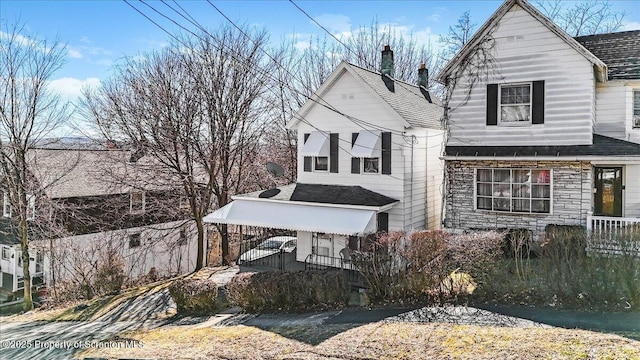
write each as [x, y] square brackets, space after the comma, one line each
[545, 130]
[368, 161]
[87, 204]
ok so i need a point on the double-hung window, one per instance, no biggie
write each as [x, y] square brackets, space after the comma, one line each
[320, 152]
[515, 104]
[137, 202]
[6, 205]
[320, 163]
[636, 109]
[514, 190]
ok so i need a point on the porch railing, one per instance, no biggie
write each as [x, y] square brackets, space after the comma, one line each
[604, 224]
[325, 263]
[613, 235]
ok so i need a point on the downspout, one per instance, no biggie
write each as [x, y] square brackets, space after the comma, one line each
[413, 137]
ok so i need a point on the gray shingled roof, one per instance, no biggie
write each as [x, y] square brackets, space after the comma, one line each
[326, 194]
[79, 173]
[602, 146]
[406, 99]
[620, 51]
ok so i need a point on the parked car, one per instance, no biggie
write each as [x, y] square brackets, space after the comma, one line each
[268, 247]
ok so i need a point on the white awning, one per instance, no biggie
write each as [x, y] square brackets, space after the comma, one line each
[367, 144]
[316, 145]
[292, 216]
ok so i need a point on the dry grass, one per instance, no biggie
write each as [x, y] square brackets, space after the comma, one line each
[374, 341]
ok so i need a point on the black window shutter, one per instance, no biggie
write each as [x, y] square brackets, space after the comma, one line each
[307, 163]
[333, 152]
[355, 165]
[538, 103]
[386, 153]
[492, 104]
[306, 136]
[355, 161]
[383, 221]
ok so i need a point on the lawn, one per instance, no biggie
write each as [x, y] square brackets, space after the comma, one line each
[373, 341]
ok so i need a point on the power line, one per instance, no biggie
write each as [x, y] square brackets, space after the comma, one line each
[190, 19]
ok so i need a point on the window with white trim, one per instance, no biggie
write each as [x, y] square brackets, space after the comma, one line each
[136, 202]
[321, 163]
[6, 205]
[515, 103]
[6, 253]
[636, 109]
[371, 165]
[514, 190]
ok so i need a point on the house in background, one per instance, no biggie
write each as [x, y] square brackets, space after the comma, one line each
[368, 161]
[548, 131]
[88, 205]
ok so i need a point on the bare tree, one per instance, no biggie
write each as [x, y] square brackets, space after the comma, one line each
[196, 109]
[583, 18]
[29, 112]
[362, 48]
[458, 35]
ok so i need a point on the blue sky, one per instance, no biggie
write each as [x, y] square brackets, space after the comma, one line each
[100, 33]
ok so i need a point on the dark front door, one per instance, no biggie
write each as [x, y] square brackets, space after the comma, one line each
[608, 196]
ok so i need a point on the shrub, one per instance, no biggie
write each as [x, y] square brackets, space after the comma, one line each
[195, 296]
[427, 265]
[286, 291]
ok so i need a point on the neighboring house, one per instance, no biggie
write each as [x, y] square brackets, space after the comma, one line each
[92, 206]
[547, 131]
[368, 161]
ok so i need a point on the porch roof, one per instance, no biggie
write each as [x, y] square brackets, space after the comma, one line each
[289, 215]
[603, 146]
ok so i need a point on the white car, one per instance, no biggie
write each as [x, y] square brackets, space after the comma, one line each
[270, 246]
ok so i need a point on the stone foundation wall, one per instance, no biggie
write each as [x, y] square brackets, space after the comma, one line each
[571, 195]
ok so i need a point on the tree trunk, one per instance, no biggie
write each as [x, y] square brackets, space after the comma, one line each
[201, 242]
[24, 246]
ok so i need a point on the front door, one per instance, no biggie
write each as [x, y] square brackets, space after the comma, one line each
[608, 196]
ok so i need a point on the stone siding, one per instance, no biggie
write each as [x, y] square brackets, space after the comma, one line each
[571, 192]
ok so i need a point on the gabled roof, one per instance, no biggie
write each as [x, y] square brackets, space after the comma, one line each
[408, 101]
[619, 50]
[602, 146]
[322, 194]
[65, 173]
[495, 19]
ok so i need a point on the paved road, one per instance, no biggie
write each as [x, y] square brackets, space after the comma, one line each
[59, 340]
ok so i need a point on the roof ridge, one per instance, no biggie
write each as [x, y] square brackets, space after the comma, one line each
[609, 33]
[377, 73]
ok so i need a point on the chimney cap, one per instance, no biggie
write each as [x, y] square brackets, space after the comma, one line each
[423, 66]
[387, 47]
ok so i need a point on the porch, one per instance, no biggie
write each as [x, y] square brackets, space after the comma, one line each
[613, 235]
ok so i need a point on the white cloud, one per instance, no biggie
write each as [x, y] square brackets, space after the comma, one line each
[632, 25]
[71, 88]
[336, 23]
[75, 54]
[85, 40]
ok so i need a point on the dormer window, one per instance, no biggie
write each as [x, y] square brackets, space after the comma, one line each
[636, 109]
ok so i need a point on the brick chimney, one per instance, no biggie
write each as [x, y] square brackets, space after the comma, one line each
[423, 76]
[387, 61]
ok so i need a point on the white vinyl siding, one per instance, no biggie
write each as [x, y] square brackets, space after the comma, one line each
[525, 50]
[616, 103]
[636, 108]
